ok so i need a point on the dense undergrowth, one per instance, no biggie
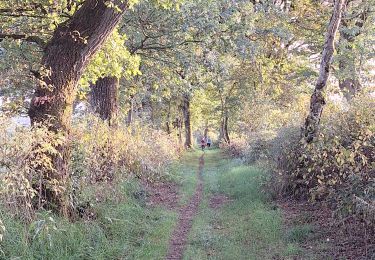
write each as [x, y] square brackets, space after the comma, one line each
[120, 230]
[107, 163]
[337, 168]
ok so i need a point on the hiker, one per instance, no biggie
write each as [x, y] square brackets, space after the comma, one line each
[208, 142]
[203, 143]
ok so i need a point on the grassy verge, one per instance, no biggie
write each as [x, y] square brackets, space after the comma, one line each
[126, 230]
[248, 227]
[121, 230]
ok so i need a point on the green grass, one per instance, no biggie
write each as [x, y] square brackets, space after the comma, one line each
[121, 231]
[248, 227]
[299, 233]
[186, 175]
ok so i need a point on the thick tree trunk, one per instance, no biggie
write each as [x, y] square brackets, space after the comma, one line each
[177, 124]
[317, 100]
[224, 134]
[187, 122]
[104, 98]
[66, 56]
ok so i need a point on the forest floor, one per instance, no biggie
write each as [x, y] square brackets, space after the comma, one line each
[212, 207]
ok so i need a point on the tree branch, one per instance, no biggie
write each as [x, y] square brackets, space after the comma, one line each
[24, 37]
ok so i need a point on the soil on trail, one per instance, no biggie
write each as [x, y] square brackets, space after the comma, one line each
[187, 213]
[162, 194]
[218, 200]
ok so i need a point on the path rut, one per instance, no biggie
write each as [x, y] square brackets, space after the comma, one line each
[177, 244]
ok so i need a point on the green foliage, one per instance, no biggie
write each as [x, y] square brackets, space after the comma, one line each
[23, 152]
[112, 60]
[337, 167]
[121, 230]
[105, 153]
[344, 150]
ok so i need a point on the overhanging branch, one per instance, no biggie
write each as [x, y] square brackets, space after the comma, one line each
[24, 37]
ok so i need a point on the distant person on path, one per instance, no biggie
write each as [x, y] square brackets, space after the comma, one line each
[203, 143]
[208, 142]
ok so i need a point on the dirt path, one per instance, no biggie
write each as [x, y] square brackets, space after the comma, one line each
[187, 213]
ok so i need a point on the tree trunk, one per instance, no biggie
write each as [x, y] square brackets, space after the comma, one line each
[168, 123]
[104, 98]
[317, 99]
[224, 135]
[66, 56]
[129, 120]
[187, 122]
[206, 132]
[225, 128]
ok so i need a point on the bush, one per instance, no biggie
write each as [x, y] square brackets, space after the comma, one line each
[236, 148]
[22, 152]
[101, 152]
[101, 155]
[339, 165]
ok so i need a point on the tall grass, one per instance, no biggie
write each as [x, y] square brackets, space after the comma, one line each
[126, 230]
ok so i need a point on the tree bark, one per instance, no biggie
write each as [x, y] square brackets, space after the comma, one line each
[187, 122]
[130, 114]
[224, 134]
[206, 132]
[225, 129]
[104, 98]
[317, 99]
[177, 124]
[168, 122]
[66, 56]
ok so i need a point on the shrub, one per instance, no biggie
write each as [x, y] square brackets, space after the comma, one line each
[339, 165]
[101, 151]
[101, 155]
[236, 148]
[22, 152]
